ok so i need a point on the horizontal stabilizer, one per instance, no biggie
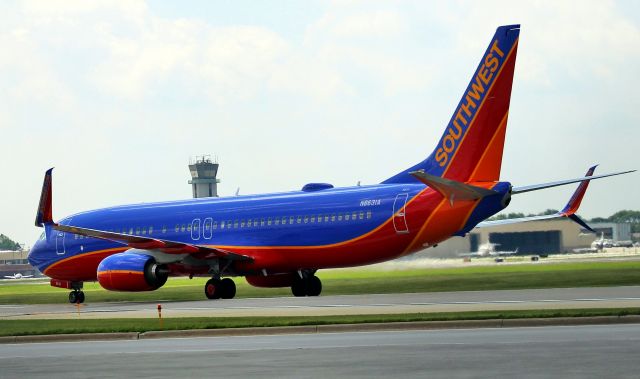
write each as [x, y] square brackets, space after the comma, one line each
[451, 189]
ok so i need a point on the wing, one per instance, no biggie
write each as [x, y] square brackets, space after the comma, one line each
[568, 211]
[44, 218]
[145, 243]
[586, 178]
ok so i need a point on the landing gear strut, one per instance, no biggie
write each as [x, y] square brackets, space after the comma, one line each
[309, 286]
[216, 289]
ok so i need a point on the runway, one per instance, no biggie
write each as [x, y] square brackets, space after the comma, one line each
[567, 351]
[555, 298]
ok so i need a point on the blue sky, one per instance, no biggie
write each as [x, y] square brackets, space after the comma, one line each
[119, 95]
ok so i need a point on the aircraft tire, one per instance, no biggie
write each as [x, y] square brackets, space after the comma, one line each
[80, 298]
[314, 286]
[299, 288]
[213, 289]
[227, 288]
[73, 297]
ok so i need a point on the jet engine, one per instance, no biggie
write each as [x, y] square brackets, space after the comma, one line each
[131, 272]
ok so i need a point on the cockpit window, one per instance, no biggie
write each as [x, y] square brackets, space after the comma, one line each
[42, 237]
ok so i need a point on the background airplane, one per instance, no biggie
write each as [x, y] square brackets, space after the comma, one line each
[488, 250]
[18, 276]
[282, 239]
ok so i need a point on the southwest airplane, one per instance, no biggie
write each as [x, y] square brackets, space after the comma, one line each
[282, 239]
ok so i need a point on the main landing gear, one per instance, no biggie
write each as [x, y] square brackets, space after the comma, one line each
[76, 297]
[306, 286]
[220, 289]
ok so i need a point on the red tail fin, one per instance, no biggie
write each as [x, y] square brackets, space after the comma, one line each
[471, 147]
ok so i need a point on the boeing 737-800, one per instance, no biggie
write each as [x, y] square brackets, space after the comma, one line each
[282, 239]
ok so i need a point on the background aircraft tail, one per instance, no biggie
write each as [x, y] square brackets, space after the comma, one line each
[471, 147]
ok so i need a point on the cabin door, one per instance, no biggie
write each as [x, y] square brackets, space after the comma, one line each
[60, 236]
[399, 213]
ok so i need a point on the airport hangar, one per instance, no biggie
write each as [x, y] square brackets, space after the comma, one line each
[536, 237]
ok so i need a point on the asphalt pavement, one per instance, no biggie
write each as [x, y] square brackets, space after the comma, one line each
[536, 352]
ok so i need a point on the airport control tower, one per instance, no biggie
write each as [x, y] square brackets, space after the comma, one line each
[203, 176]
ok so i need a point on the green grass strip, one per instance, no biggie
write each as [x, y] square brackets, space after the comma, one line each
[76, 326]
[366, 281]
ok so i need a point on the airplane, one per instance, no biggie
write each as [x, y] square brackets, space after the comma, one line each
[488, 250]
[18, 276]
[283, 239]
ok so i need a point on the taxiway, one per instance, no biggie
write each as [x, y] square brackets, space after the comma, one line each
[553, 298]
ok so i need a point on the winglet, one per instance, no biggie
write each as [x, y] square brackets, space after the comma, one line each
[44, 216]
[574, 203]
[451, 189]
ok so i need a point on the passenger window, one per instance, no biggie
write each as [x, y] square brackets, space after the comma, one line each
[326, 218]
[235, 224]
[306, 219]
[368, 215]
[313, 219]
[164, 229]
[144, 231]
[339, 216]
[291, 220]
[319, 218]
[277, 221]
[299, 220]
[347, 217]
[354, 215]
[249, 223]
[183, 227]
[262, 222]
[150, 229]
[333, 217]
[177, 228]
[269, 221]
[242, 223]
[215, 225]
[138, 230]
[131, 230]
[284, 221]
[189, 227]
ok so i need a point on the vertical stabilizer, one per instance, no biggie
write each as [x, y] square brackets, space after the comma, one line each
[471, 147]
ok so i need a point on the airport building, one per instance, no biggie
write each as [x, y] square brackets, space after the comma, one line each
[204, 181]
[15, 262]
[535, 237]
[616, 231]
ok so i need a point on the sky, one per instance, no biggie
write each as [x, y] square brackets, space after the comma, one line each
[118, 96]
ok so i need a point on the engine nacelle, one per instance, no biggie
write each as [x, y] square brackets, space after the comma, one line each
[131, 272]
[272, 281]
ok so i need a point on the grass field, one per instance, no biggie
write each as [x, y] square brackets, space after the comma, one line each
[364, 280]
[35, 327]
